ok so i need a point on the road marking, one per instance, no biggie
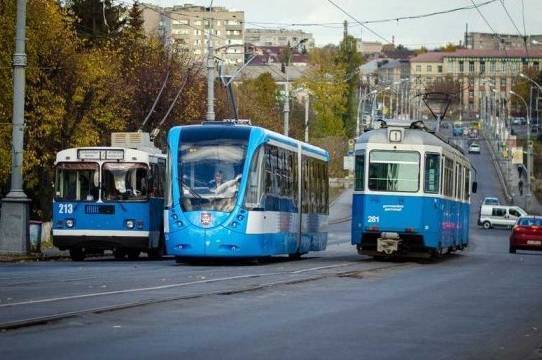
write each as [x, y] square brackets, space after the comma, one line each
[169, 286]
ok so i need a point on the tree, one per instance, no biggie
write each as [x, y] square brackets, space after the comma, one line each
[351, 60]
[325, 80]
[97, 20]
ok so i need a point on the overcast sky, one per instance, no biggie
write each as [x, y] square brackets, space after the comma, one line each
[430, 32]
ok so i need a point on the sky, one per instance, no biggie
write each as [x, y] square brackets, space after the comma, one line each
[430, 32]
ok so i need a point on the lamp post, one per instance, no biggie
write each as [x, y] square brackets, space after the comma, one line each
[375, 101]
[287, 88]
[529, 147]
[361, 106]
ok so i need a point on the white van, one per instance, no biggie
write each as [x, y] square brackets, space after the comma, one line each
[499, 215]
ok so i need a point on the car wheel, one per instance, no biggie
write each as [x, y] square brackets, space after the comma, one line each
[77, 254]
[486, 225]
[512, 250]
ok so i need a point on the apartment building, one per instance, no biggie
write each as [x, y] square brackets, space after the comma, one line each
[187, 28]
[278, 37]
[490, 41]
[474, 69]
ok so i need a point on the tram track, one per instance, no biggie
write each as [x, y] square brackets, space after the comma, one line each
[299, 276]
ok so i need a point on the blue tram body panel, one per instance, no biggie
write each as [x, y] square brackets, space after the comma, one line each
[270, 230]
[438, 222]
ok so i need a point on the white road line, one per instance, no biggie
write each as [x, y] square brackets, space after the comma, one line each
[162, 287]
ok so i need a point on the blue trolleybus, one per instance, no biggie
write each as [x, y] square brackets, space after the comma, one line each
[242, 191]
[110, 198]
[412, 193]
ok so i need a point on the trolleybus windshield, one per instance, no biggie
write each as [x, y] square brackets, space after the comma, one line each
[396, 171]
[77, 182]
[124, 181]
[211, 164]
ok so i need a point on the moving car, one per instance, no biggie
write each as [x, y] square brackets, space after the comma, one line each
[499, 215]
[526, 234]
[474, 148]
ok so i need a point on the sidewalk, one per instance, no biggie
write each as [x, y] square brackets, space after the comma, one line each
[512, 178]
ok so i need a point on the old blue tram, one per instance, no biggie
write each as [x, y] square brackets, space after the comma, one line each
[412, 193]
[110, 198]
[237, 190]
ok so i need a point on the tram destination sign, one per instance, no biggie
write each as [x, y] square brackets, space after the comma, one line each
[99, 154]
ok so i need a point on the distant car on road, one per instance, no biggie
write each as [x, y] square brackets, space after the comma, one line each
[500, 215]
[457, 129]
[445, 125]
[516, 121]
[526, 234]
[491, 200]
[474, 148]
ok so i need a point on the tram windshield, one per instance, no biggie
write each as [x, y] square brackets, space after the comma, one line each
[124, 181]
[210, 167]
[396, 171]
[77, 182]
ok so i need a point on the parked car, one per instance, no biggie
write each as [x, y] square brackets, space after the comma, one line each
[526, 234]
[491, 200]
[474, 148]
[516, 121]
[499, 215]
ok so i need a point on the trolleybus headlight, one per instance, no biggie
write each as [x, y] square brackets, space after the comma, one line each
[69, 223]
[130, 224]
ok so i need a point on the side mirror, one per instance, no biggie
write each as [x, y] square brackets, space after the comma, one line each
[474, 187]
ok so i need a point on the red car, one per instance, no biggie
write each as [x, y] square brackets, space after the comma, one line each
[526, 234]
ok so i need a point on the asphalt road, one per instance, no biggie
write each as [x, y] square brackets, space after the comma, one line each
[479, 304]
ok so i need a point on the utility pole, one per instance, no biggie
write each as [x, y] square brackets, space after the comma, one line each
[15, 206]
[307, 106]
[210, 72]
[287, 98]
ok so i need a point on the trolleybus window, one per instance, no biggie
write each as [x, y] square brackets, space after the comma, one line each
[432, 173]
[394, 171]
[77, 181]
[211, 165]
[124, 181]
[360, 172]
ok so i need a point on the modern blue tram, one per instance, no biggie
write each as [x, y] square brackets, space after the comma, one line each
[411, 194]
[110, 198]
[237, 190]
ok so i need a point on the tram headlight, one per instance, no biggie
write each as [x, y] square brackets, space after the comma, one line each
[69, 223]
[130, 224]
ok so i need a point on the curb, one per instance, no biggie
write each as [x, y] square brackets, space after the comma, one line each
[499, 172]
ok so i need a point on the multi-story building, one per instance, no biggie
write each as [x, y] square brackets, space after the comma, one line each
[278, 37]
[490, 41]
[187, 28]
[369, 48]
[475, 70]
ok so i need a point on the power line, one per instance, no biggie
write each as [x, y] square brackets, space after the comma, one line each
[359, 22]
[385, 20]
[510, 17]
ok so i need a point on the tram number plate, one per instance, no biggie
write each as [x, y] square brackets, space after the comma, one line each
[534, 242]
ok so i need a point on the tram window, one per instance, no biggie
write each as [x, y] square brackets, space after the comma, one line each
[360, 172]
[124, 181]
[467, 184]
[394, 171]
[77, 182]
[256, 181]
[448, 177]
[432, 173]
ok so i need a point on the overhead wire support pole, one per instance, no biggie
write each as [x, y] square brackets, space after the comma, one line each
[15, 206]
[210, 69]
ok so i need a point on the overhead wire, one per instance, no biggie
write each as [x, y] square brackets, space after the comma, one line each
[359, 22]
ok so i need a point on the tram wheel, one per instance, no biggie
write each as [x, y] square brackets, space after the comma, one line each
[77, 254]
[295, 256]
[119, 254]
[156, 254]
[133, 254]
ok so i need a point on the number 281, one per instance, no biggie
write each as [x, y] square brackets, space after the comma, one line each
[373, 219]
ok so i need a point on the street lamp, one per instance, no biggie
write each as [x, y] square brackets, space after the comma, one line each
[529, 150]
[362, 101]
[522, 75]
[287, 87]
[387, 88]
